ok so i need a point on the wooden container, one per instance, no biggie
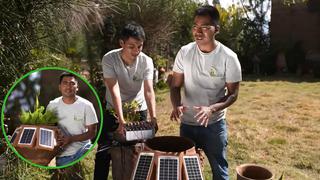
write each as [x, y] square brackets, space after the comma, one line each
[26, 140]
[167, 148]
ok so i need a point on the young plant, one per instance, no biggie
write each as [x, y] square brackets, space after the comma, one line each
[39, 117]
[130, 111]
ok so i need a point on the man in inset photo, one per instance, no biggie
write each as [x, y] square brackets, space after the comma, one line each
[77, 120]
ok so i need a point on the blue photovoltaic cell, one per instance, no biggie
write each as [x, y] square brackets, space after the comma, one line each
[168, 169]
[45, 137]
[143, 167]
[192, 167]
[13, 137]
[27, 136]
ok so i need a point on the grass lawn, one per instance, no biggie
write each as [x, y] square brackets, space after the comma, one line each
[275, 123]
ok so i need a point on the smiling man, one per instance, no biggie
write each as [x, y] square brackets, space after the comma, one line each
[128, 76]
[77, 120]
[210, 73]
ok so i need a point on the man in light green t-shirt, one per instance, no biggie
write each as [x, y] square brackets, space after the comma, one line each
[77, 120]
[128, 76]
[210, 74]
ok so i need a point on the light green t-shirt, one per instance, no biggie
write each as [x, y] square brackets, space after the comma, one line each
[73, 119]
[205, 76]
[130, 78]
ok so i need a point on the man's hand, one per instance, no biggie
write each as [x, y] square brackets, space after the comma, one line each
[203, 114]
[119, 134]
[121, 128]
[155, 124]
[63, 140]
[66, 140]
[177, 113]
[60, 137]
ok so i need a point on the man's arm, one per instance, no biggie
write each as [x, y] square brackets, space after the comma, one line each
[205, 112]
[113, 86]
[229, 99]
[175, 95]
[92, 130]
[150, 98]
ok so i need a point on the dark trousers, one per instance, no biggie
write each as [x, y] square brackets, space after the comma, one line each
[213, 140]
[103, 157]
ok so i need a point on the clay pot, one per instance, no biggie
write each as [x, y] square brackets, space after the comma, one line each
[175, 146]
[33, 151]
[253, 172]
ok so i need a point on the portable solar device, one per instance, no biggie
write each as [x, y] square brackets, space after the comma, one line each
[168, 158]
[27, 137]
[192, 168]
[168, 168]
[143, 166]
[36, 143]
[139, 131]
[46, 139]
[14, 135]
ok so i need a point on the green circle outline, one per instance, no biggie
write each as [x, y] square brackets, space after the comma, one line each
[13, 87]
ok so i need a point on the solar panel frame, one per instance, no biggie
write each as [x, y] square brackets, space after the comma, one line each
[172, 172]
[14, 136]
[195, 174]
[137, 167]
[30, 141]
[40, 138]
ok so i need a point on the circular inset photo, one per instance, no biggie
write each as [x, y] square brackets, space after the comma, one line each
[50, 117]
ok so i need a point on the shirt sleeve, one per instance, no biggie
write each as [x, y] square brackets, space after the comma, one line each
[178, 65]
[233, 70]
[91, 116]
[51, 106]
[148, 73]
[107, 66]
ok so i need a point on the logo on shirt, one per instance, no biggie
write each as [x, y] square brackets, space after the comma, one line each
[136, 77]
[77, 118]
[213, 72]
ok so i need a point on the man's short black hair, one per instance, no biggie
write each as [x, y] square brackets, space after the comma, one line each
[208, 10]
[66, 74]
[133, 30]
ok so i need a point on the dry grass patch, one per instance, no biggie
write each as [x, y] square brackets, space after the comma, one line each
[273, 123]
[280, 128]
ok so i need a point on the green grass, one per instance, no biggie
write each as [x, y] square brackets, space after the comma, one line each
[275, 123]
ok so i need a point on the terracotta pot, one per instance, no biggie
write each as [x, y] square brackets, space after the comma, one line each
[123, 160]
[174, 146]
[33, 151]
[253, 172]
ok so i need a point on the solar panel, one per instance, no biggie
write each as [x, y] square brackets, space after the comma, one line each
[13, 137]
[46, 137]
[168, 168]
[27, 135]
[143, 166]
[192, 168]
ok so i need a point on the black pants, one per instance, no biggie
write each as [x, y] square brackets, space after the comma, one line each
[103, 157]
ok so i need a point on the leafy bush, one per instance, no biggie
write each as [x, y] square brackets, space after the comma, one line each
[38, 116]
[43, 58]
[130, 110]
[160, 61]
[161, 85]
